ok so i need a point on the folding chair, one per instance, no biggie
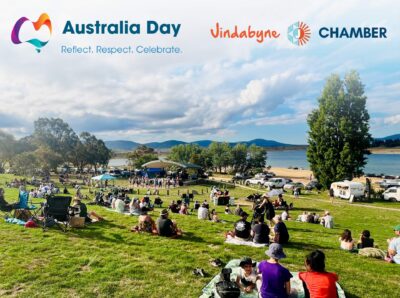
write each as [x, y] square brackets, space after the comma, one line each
[22, 207]
[56, 209]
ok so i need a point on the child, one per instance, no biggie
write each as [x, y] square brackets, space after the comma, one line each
[317, 282]
[346, 241]
[275, 277]
[247, 277]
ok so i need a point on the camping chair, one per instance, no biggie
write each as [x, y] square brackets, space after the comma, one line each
[23, 208]
[56, 210]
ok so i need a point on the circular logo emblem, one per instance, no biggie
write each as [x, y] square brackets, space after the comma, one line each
[299, 33]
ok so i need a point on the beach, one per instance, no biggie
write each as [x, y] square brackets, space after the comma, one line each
[303, 176]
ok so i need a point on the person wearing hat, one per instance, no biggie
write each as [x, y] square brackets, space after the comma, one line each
[275, 277]
[247, 276]
[242, 227]
[394, 246]
[166, 227]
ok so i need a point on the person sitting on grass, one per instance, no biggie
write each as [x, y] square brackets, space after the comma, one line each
[119, 205]
[184, 209]
[81, 209]
[228, 210]
[202, 213]
[214, 216]
[346, 241]
[247, 276]
[275, 277]
[242, 228]
[146, 223]
[327, 220]
[134, 207]
[260, 231]
[281, 234]
[285, 214]
[316, 281]
[4, 205]
[173, 207]
[394, 247]
[238, 210]
[166, 227]
[365, 240]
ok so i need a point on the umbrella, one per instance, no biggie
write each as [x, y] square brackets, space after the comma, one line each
[104, 177]
[275, 192]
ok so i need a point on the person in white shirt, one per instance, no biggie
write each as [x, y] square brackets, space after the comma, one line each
[119, 205]
[328, 220]
[203, 212]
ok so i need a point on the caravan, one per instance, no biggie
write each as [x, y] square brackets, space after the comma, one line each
[347, 189]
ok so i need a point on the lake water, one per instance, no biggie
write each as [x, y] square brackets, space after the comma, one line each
[388, 164]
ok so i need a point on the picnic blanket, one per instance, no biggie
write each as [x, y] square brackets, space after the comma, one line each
[17, 221]
[295, 283]
[125, 213]
[233, 240]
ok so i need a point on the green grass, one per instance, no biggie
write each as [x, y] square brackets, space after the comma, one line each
[107, 260]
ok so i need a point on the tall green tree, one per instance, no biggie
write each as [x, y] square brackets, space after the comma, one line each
[221, 155]
[56, 135]
[338, 136]
[141, 155]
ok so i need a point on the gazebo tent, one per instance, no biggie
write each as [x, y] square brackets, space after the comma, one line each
[163, 163]
[103, 177]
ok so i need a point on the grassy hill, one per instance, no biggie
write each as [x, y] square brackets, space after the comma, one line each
[107, 260]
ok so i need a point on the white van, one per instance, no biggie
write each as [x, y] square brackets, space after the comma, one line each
[346, 189]
[392, 194]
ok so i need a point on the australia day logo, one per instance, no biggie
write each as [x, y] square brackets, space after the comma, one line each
[299, 33]
[43, 20]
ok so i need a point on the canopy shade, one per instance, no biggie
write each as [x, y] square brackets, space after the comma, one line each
[103, 177]
[162, 163]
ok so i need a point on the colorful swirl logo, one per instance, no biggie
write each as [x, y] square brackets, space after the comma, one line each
[43, 20]
[299, 33]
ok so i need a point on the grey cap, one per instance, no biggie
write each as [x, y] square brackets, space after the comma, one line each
[275, 251]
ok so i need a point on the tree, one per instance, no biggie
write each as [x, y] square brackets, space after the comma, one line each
[239, 158]
[141, 155]
[56, 135]
[26, 163]
[186, 153]
[339, 130]
[7, 149]
[256, 158]
[221, 155]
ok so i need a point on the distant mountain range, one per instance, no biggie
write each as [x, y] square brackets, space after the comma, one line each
[392, 137]
[129, 145]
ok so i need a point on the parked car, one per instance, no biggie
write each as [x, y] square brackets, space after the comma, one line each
[314, 184]
[241, 176]
[255, 181]
[387, 183]
[277, 182]
[293, 185]
[392, 194]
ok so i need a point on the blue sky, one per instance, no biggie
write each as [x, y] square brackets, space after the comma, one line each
[228, 90]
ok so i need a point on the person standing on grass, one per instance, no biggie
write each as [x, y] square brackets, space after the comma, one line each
[275, 277]
[316, 281]
[394, 247]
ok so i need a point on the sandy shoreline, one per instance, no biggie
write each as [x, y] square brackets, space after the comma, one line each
[304, 176]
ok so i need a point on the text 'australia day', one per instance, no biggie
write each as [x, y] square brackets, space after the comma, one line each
[121, 27]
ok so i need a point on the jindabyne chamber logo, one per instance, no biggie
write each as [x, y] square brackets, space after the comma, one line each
[43, 20]
[299, 33]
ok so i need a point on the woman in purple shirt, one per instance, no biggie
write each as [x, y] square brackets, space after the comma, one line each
[275, 277]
